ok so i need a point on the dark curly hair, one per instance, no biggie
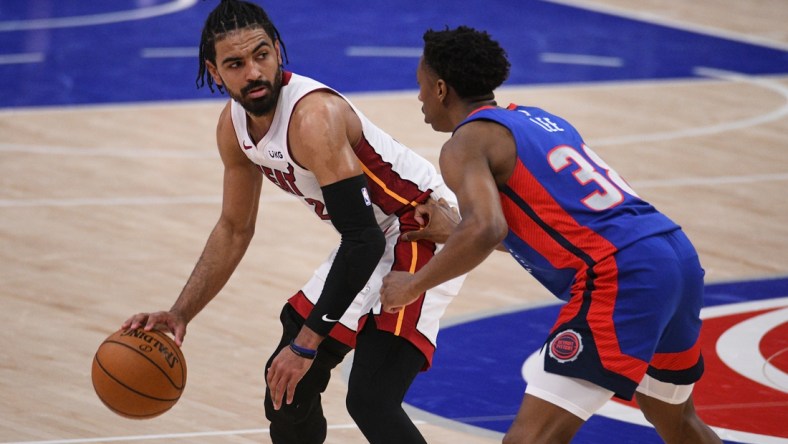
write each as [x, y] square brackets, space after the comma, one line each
[228, 16]
[469, 61]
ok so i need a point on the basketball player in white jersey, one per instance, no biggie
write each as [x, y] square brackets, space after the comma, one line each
[314, 144]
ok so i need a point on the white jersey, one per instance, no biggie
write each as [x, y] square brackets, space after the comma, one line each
[397, 180]
[408, 177]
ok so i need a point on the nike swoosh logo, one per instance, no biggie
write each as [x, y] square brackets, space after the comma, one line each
[327, 319]
[247, 147]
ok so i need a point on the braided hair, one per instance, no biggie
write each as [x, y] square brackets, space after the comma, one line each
[228, 16]
[470, 61]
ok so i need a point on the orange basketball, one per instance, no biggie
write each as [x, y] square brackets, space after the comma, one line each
[139, 374]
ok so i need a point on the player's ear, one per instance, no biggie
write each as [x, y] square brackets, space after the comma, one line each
[441, 89]
[214, 72]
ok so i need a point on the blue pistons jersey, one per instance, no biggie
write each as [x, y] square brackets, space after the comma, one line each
[632, 281]
[566, 208]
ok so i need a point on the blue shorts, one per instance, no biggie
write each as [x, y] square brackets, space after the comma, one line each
[634, 312]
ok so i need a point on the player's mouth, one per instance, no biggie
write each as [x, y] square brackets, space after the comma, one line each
[257, 93]
[256, 90]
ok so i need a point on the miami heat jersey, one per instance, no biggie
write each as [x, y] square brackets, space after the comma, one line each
[396, 176]
[397, 180]
[566, 208]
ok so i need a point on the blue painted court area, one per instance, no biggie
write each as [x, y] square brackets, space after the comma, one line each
[61, 53]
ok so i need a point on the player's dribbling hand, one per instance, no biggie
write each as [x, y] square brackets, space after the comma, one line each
[160, 320]
[396, 291]
[437, 219]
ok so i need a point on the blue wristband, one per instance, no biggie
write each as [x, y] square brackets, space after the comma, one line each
[306, 353]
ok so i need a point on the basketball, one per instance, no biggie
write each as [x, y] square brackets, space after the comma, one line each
[139, 374]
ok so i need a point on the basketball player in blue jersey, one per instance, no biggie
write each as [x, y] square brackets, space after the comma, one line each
[311, 142]
[631, 280]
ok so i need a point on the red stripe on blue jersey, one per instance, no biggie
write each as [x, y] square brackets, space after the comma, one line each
[565, 228]
[574, 247]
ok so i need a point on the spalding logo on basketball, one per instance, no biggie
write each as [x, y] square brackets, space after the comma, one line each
[566, 346]
[139, 374]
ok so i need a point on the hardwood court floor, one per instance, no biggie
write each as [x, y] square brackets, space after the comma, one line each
[105, 209]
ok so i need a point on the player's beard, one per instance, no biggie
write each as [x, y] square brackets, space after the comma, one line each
[263, 105]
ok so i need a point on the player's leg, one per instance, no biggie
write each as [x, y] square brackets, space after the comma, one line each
[554, 407]
[539, 421]
[600, 346]
[669, 408]
[392, 349]
[384, 366]
[665, 393]
[303, 422]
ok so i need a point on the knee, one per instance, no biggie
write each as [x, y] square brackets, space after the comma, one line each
[361, 403]
[676, 423]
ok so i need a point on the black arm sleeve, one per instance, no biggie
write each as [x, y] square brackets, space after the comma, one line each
[360, 249]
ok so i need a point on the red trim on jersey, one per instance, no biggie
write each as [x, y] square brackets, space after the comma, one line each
[601, 285]
[481, 108]
[340, 332]
[387, 189]
[677, 361]
[410, 259]
[551, 212]
[600, 319]
[511, 107]
[286, 76]
[388, 322]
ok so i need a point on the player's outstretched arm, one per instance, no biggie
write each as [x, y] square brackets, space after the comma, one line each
[226, 244]
[465, 167]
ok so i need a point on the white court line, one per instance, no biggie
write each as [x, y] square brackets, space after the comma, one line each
[18, 59]
[130, 201]
[97, 19]
[171, 52]
[383, 51]
[110, 201]
[172, 435]
[738, 349]
[215, 200]
[676, 24]
[631, 139]
[714, 181]
[772, 116]
[107, 152]
[626, 140]
[581, 59]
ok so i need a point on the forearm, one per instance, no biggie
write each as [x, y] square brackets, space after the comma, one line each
[220, 257]
[362, 245]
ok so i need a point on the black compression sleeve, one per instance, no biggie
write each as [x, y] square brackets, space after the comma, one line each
[361, 247]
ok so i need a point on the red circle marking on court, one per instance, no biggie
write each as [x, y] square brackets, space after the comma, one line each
[725, 398]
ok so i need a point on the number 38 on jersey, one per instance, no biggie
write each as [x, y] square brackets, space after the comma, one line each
[611, 186]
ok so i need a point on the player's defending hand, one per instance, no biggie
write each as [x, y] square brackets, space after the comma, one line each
[397, 291]
[437, 219]
[162, 320]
